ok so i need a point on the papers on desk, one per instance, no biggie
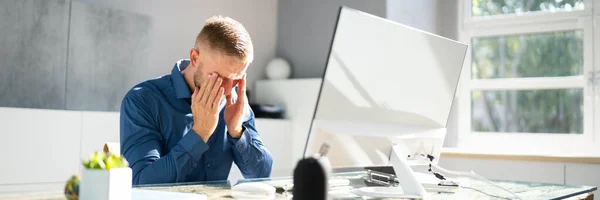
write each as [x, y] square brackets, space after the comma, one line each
[288, 184]
[139, 194]
[432, 184]
[429, 181]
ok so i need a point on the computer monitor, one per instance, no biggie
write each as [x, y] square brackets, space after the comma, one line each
[387, 88]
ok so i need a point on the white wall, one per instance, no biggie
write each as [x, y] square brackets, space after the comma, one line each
[418, 14]
[33, 140]
[447, 18]
[177, 22]
[41, 146]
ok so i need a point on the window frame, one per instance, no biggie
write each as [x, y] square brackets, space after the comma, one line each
[533, 22]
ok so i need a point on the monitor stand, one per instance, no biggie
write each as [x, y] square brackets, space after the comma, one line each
[408, 187]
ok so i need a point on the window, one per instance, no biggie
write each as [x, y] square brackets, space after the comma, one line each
[503, 7]
[531, 76]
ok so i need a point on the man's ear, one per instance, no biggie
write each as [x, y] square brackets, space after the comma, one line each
[194, 54]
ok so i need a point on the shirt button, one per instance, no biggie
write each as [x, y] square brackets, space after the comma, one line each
[239, 145]
[208, 165]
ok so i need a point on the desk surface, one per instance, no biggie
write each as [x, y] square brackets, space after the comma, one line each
[468, 189]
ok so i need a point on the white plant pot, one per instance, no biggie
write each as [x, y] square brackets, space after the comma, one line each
[98, 184]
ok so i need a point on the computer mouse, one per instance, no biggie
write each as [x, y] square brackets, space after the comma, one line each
[253, 190]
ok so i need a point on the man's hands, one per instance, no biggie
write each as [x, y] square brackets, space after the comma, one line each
[205, 106]
[234, 112]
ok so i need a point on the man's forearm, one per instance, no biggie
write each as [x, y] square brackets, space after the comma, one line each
[172, 167]
[251, 156]
[259, 165]
[163, 170]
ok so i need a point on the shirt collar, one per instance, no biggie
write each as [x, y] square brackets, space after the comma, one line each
[181, 88]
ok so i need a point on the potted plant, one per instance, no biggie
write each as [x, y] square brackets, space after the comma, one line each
[106, 176]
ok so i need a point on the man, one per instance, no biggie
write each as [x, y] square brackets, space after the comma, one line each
[191, 125]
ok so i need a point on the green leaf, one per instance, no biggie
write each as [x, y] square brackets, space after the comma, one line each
[100, 160]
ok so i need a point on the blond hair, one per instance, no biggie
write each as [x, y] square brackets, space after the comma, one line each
[227, 36]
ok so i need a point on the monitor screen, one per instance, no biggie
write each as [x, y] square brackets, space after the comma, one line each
[382, 80]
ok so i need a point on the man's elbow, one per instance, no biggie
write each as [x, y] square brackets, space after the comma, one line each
[136, 180]
[267, 166]
[137, 177]
[147, 176]
[260, 169]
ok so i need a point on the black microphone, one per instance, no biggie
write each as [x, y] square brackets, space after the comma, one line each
[310, 180]
[311, 176]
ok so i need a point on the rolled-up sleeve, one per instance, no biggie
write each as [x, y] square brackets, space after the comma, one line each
[250, 155]
[142, 145]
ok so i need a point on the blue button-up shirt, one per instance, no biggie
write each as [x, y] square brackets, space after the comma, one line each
[158, 141]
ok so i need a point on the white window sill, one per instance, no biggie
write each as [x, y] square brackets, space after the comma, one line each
[478, 154]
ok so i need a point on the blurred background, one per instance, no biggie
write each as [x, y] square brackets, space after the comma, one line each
[525, 108]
